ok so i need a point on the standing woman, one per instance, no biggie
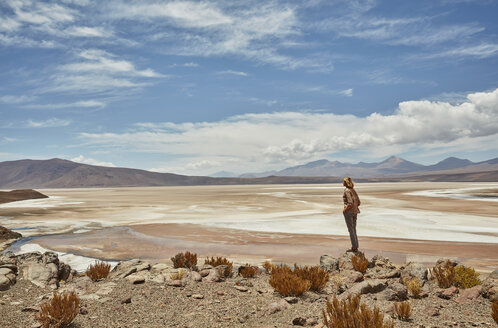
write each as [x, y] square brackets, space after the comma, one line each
[351, 210]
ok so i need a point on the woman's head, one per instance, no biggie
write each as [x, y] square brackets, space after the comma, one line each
[348, 182]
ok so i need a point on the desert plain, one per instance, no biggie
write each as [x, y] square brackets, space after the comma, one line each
[405, 221]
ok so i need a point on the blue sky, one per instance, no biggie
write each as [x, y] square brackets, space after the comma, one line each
[199, 87]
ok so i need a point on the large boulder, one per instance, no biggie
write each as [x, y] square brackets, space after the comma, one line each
[489, 287]
[125, 268]
[371, 286]
[395, 292]
[414, 270]
[43, 269]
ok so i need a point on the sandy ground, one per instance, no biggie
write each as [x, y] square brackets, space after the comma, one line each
[284, 223]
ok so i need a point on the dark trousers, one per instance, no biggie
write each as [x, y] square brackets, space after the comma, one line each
[351, 223]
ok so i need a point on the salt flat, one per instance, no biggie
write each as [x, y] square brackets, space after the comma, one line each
[281, 222]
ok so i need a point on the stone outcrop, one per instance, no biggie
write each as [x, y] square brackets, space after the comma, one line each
[489, 287]
[414, 270]
[329, 263]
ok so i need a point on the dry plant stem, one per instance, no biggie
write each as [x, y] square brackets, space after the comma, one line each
[178, 275]
[349, 313]
[403, 310]
[414, 286]
[466, 277]
[184, 260]
[268, 267]
[316, 275]
[99, 270]
[249, 271]
[360, 263]
[60, 311]
[445, 274]
[494, 311]
[287, 283]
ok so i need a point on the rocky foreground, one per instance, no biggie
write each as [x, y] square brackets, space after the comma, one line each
[142, 294]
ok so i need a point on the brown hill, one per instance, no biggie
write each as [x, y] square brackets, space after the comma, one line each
[24, 194]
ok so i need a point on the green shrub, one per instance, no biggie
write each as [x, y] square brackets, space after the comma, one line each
[466, 277]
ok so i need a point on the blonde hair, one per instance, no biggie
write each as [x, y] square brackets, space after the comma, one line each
[349, 182]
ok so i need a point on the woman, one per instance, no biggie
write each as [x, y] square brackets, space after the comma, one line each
[351, 210]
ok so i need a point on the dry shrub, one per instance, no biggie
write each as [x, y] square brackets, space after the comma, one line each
[249, 271]
[184, 260]
[350, 313]
[60, 311]
[414, 286]
[178, 275]
[287, 283]
[316, 275]
[494, 311]
[360, 263]
[337, 279]
[220, 261]
[466, 277]
[99, 270]
[403, 310]
[268, 266]
[445, 274]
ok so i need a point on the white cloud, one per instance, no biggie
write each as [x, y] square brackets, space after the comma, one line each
[18, 99]
[90, 161]
[50, 123]
[483, 50]
[85, 31]
[347, 92]
[77, 104]
[286, 138]
[231, 72]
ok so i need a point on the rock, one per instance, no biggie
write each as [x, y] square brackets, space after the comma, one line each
[106, 288]
[83, 310]
[442, 261]
[64, 271]
[159, 267]
[175, 283]
[126, 268]
[468, 295]
[204, 272]
[432, 311]
[299, 321]
[4, 271]
[489, 287]
[220, 293]
[126, 300]
[241, 288]
[365, 287]
[291, 300]
[276, 307]
[329, 263]
[352, 276]
[345, 262]
[448, 293]
[195, 276]
[414, 270]
[36, 325]
[198, 296]
[213, 276]
[10, 266]
[136, 278]
[158, 278]
[395, 292]
[41, 274]
[30, 309]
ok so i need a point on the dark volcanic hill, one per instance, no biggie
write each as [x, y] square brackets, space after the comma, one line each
[24, 194]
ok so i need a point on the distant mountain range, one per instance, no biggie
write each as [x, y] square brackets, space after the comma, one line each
[392, 166]
[59, 173]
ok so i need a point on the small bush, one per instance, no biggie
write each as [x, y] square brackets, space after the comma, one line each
[414, 286]
[445, 274]
[98, 270]
[249, 271]
[349, 313]
[220, 261]
[360, 263]
[494, 311]
[184, 260]
[403, 310]
[466, 277]
[178, 275]
[60, 311]
[287, 283]
[268, 267]
[316, 275]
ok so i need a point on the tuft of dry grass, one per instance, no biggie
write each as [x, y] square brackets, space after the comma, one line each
[249, 271]
[403, 310]
[350, 313]
[98, 270]
[414, 286]
[494, 311]
[316, 275]
[60, 311]
[445, 274]
[221, 261]
[284, 281]
[466, 277]
[178, 275]
[184, 260]
[268, 266]
[360, 263]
